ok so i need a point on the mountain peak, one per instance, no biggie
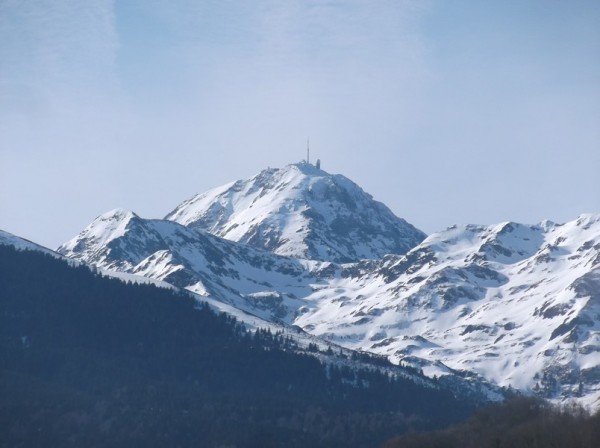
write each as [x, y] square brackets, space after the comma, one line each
[117, 214]
[300, 210]
[307, 168]
[101, 238]
[108, 226]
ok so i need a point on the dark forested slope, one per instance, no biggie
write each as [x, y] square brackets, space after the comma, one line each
[520, 422]
[92, 361]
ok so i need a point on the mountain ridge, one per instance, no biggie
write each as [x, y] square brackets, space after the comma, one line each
[514, 303]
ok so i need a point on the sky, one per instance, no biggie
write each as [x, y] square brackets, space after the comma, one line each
[448, 111]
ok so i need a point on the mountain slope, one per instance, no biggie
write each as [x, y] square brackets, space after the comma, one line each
[518, 305]
[265, 284]
[300, 211]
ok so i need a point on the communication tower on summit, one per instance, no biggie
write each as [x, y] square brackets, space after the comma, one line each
[307, 161]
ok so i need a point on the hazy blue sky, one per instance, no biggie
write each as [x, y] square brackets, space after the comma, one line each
[448, 111]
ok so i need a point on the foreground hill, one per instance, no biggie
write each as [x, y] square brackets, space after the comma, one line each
[92, 361]
[520, 422]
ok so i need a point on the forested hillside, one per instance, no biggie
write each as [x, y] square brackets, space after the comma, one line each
[520, 422]
[92, 361]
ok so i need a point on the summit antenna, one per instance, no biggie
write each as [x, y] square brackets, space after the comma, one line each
[308, 151]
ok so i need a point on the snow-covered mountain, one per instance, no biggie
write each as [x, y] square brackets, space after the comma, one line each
[516, 304]
[256, 286]
[248, 278]
[300, 211]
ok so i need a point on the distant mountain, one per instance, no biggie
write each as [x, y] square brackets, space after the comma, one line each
[92, 361]
[300, 211]
[517, 305]
[258, 281]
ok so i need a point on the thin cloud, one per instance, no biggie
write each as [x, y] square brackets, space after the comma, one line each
[58, 48]
[141, 104]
